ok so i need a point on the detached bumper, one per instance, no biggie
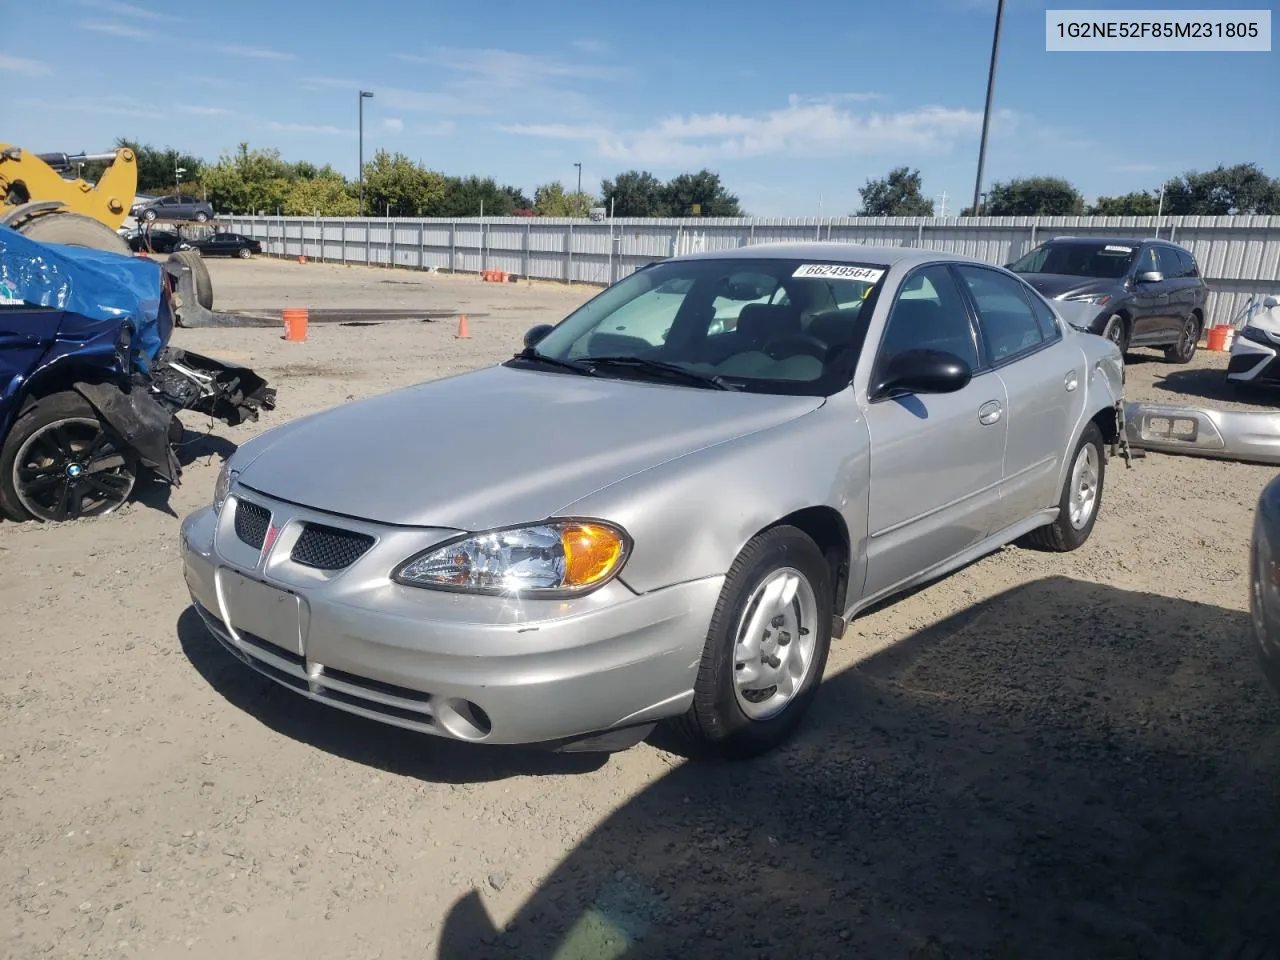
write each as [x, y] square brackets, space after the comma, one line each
[1224, 434]
[485, 669]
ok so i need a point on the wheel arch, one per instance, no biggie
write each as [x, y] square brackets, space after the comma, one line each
[826, 527]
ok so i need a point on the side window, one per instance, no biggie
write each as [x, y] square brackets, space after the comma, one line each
[1189, 266]
[1044, 315]
[1004, 314]
[1170, 263]
[929, 313]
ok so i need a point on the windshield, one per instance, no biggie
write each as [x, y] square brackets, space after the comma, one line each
[1106, 261]
[765, 326]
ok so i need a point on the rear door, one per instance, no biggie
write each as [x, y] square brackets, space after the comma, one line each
[935, 459]
[1044, 378]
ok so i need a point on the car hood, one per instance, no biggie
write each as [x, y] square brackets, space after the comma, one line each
[494, 447]
[1054, 285]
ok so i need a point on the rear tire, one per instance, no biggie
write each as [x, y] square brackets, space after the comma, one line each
[63, 420]
[199, 275]
[759, 634]
[75, 230]
[1081, 490]
[1188, 340]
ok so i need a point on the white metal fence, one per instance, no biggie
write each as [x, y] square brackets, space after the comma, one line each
[1239, 256]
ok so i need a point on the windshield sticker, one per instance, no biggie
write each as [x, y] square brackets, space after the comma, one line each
[1110, 248]
[840, 271]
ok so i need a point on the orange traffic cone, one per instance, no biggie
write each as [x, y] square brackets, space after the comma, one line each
[463, 333]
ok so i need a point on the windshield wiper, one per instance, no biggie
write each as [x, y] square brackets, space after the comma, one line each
[529, 353]
[664, 369]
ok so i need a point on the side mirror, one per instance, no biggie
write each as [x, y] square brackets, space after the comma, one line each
[535, 334]
[1150, 276]
[923, 371]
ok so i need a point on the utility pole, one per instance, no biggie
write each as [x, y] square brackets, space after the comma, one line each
[364, 94]
[579, 166]
[986, 113]
[942, 204]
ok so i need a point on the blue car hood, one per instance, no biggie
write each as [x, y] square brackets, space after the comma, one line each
[96, 284]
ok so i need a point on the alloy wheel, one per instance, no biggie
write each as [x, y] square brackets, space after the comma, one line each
[1084, 486]
[774, 647]
[71, 468]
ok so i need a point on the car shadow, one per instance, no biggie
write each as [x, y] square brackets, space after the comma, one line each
[1212, 384]
[1065, 770]
[154, 493]
[355, 738]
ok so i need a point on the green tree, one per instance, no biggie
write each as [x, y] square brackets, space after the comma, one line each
[551, 200]
[394, 185]
[248, 181]
[1033, 197]
[1240, 189]
[702, 189]
[1139, 203]
[635, 193]
[519, 198]
[329, 196]
[464, 196]
[895, 195]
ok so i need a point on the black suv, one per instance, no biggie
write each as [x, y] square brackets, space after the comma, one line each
[174, 208]
[1136, 293]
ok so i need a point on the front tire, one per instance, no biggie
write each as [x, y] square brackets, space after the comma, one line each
[61, 462]
[245, 253]
[1080, 499]
[1188, 340]
[766, 648]
[1116, 330]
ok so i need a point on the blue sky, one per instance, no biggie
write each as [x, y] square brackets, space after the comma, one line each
[796, 104]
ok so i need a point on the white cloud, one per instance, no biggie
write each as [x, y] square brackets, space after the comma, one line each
[203, 111]
[443, 128]
[1135, 168]
[254, 53]
[510, 70]
[592, 46]
[127, 10]
[393, 125]
[115, 106]
[806, 127]
[119, 30]
[321, 128]
[32, 68]
[399, 99]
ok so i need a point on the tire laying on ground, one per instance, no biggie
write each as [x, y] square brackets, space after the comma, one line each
[199, 274]
[75, 230]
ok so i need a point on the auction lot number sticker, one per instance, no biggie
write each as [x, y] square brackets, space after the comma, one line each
[1206, 31]
[838, 271]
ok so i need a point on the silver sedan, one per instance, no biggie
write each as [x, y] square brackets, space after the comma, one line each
[666, 506]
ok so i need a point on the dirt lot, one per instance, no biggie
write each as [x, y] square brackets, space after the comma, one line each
[1041, 756]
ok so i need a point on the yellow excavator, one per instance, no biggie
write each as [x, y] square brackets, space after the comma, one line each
[38, 202]
[35, 199]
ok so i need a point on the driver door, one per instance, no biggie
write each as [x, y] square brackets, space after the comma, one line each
[936, 459]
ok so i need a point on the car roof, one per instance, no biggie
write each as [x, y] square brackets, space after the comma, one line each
[1126, 241]
[831, 250]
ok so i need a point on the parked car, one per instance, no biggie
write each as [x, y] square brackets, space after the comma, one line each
[228, 245]
[156, 241]
[1264, 580]
[603, 533]
[1136, 293]
[1255, 352]
[173, 208]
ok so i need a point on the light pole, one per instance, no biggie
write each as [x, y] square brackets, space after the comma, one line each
[986, 113]
[579, 166]
[360, 100]
[177, 177]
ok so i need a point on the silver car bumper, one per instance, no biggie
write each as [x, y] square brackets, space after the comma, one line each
[1227, 434]
[484, 669]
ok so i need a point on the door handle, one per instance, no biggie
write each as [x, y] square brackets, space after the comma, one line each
[990, 412]
[1072, 381]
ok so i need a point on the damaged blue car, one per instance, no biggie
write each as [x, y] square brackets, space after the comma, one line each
[90, 388]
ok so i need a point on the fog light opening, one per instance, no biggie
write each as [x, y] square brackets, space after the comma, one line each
[463, 719]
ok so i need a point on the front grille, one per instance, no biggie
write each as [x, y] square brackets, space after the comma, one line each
[251, 523]
[329, 548]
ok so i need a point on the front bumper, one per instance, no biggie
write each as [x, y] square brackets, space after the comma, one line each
[484, 669]
[1253, 360]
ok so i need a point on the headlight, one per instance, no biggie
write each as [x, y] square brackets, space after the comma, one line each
[1101, 299]
[555, 559]
[226, 476]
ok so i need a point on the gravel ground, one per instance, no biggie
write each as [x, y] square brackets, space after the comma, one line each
[1040, 756]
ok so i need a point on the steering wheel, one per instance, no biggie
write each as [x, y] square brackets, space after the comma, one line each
[805, 343]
